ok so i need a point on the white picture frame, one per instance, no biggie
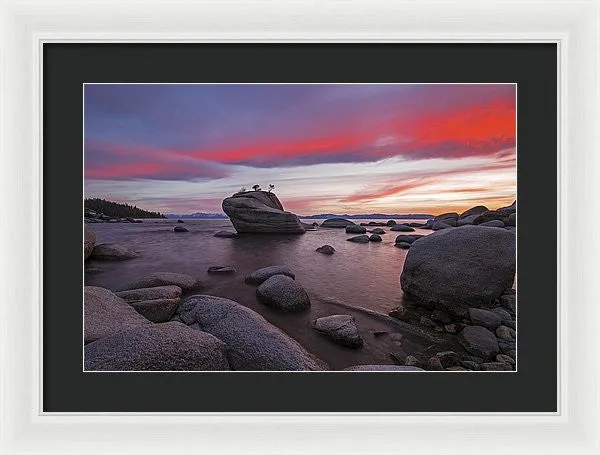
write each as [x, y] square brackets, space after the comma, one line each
[26, 25]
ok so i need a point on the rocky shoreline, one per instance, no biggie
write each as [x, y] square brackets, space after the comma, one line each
[458, 301]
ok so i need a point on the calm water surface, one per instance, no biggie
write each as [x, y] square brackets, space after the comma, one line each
[360, 275]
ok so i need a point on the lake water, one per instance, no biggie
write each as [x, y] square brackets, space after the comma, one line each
[359, 275]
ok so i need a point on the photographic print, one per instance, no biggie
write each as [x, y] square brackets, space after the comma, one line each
[300, 227]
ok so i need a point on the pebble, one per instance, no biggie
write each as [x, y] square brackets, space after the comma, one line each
[505, 359]
[506, 333]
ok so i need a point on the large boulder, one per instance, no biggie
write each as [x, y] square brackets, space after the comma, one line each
[185, 282]
[254, 344]
[261, 275]
[337, 223]
[459, 268]
[112, 252]
[260, 212]
[282, 292]
[89, 241]
[170, 346]
[341, 328]
[375, 238]
[106, 314]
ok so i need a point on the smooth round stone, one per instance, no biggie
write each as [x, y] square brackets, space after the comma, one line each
[282, 292]
[341, 328]
[479, 341]
[261, 275]
[506, 333]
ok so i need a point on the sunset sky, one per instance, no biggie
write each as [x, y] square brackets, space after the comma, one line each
[327, 148]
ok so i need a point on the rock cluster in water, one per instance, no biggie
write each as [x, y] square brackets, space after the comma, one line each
[457, 281]
[151, 328]
[260, 212]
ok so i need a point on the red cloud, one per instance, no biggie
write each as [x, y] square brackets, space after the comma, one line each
[480, 130]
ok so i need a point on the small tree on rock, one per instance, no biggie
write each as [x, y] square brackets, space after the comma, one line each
[256, 187]
[271, 187]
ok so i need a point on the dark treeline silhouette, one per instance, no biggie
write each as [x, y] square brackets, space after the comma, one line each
[116, 210]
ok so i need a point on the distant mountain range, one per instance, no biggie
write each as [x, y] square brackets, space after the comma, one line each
[199, 216]
[411, 216]
[218, 216]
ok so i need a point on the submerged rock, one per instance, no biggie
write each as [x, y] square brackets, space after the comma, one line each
[377, 231]
[375, 238]
[359, 239]
[337, 223]
[170, 346]
[260, 275]
[89, 241]
[341, 328]
[180, 229]
[225, 234]
[185, 282]
[222, 269]
[403, 245]
[282, 292]
[460, 268]
[112, 252]
[106, 314]
[325, 249]
[260, 212]
[402, 228]
[254, 344]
